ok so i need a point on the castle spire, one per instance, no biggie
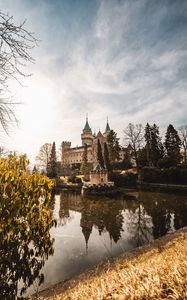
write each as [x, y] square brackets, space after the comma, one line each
[107, 129]
[87, 126]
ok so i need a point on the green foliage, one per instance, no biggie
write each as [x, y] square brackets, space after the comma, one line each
[106, 158]
[172, 145]
[142, 157]
[52, 164]
[165, 162]
[100, 154]
[154, 147]
[74, 179]
[84, 164]
[122, 165]
[172, 175]
[147, 137]
[25, 223]
[121, 180]
[113, 147]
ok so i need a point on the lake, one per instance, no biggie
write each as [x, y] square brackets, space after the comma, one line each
[90, 230]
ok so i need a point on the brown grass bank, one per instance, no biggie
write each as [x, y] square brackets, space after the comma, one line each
[154, 271]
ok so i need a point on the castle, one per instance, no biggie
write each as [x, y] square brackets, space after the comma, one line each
[72, 156]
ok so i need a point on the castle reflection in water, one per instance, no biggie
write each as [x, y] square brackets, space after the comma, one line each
[143, 215]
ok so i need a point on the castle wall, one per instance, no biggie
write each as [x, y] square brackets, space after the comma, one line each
[98, 177]
[71, 156]
[74, 155]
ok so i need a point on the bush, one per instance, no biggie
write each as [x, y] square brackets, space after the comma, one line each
[124, 165]
[74, 179]
[120, 180]
[173, 175]
[25, 223]
[165, 162]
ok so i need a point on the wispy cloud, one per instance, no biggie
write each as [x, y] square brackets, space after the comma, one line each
[124, 59]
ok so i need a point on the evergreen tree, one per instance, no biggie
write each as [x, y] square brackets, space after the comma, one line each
[100, 154]
[106, 158]
[157, 150]
[113, 146]
[154, 147]
[148, 143]
[142, 157]
[84, 163]
[172, 145]
[52, 164]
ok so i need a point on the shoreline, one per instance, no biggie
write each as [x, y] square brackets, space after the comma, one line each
[85, 283]
[162, 187]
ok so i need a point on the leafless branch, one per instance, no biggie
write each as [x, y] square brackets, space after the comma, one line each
[15, 45]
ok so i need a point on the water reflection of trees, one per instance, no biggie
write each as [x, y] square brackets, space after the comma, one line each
[168, 212]
[150, 216]
[105, 215]
[64, 214]
[139, 223]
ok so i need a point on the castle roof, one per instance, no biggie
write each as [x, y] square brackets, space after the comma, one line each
[87, 126]
[107, 129]
[98, 167]
[99, 135]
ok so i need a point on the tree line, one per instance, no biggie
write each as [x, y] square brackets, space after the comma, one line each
[149, 149]
[146, 145]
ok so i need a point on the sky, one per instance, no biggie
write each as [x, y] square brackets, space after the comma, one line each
[123, 59]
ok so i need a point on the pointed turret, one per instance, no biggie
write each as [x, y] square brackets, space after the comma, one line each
[87, 126]
[86, 136]
[86, 232]
[107, 129]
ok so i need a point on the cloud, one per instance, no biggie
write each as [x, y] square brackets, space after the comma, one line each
[123, 59]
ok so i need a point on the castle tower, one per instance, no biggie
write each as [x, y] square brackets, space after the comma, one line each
[107, 129]
[87, 136]
[65, 147]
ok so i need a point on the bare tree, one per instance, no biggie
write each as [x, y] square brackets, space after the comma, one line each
[140, 225]
[134, 135]
[15, 45]
[44, 155]
[4, 152]
[183, 138]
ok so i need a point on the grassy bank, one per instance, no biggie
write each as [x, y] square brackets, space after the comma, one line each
[155, 271]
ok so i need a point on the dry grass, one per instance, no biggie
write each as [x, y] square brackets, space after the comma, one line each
[152, 272]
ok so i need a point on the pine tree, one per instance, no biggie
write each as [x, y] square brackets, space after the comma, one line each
[172, 145]
[142, 157]
[113, 146]
[52, 164]
[84, 163]
[154, 147]
[157, 151]
[100, 154]
[148, 142]
[106, 158]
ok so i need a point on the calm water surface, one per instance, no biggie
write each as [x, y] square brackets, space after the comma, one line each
[90, 230]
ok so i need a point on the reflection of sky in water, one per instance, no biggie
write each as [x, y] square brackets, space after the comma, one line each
[109, 226]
